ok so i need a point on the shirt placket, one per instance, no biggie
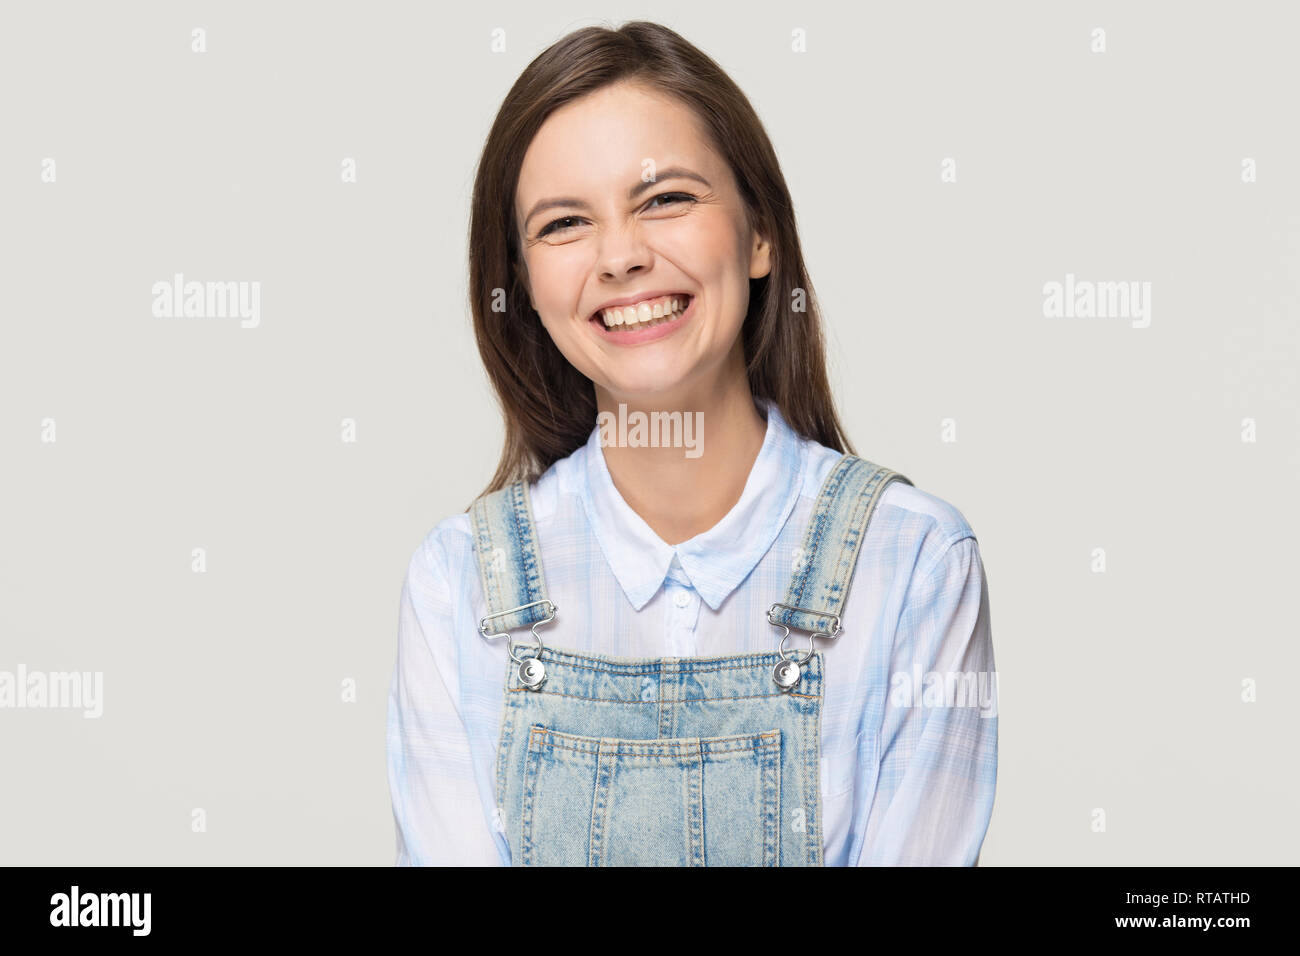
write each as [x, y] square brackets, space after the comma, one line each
[683, 613]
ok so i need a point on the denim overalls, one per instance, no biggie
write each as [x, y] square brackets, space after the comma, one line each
[666, 761]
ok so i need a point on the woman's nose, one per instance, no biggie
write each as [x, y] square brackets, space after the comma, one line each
[622, 251]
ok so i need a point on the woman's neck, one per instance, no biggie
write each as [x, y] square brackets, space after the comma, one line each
[684, 488]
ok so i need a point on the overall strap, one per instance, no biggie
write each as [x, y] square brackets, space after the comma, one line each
[509, 560]
[821, 579]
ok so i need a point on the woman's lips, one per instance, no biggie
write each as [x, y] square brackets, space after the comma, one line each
[620, 335]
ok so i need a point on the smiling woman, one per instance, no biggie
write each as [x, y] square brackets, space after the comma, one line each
[638, 169]
[633, 246]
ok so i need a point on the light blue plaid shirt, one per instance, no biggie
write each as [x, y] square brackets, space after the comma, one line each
[909, 719]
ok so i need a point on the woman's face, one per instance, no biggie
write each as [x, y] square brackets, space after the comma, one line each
[622, 200]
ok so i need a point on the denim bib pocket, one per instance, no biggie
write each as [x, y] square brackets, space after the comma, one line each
[667, 801]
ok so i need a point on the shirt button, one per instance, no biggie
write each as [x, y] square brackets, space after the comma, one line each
[682, 599]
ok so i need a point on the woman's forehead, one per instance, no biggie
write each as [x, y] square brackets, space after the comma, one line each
[608, 135]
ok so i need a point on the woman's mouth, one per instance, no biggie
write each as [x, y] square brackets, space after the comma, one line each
[646, 321]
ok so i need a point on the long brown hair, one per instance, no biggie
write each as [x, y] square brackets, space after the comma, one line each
[549, 406]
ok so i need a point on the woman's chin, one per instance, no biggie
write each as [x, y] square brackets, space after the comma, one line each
[643, 389]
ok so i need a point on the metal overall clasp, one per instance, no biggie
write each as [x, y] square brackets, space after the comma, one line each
[788, 670]
[532, 672]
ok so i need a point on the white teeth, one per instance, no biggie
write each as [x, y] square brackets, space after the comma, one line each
[647, 313]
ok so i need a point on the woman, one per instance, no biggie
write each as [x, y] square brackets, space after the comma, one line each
[634, 262]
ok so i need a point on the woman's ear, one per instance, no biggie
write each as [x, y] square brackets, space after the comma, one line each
[760, 257]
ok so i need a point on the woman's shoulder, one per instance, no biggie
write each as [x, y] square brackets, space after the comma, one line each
[447, 549]
[442, 555]
[903, 510]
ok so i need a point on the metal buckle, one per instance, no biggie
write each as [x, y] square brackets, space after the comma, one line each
[788, 670]
[532, 672]
[482, 624]
[835, 618]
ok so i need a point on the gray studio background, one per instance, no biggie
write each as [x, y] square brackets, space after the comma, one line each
[1120, 691]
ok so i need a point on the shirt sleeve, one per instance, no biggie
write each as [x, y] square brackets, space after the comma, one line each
[436, 803]
[937, 742]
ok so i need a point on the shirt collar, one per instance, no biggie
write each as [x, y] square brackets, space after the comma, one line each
[715, 561]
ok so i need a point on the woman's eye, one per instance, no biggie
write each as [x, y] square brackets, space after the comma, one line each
[669, 199]
[556, 227]
[674, 197]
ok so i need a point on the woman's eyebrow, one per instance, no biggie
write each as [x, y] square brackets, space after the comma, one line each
[672, 172]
